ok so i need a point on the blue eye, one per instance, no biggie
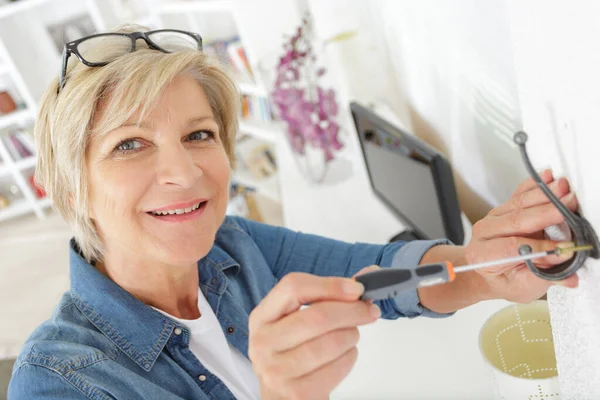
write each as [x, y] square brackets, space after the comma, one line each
[128, 145]
[201, 136]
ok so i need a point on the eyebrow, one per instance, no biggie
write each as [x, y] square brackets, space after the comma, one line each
[191, 122]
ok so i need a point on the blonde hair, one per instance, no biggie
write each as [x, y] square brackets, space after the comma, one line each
[64, 125]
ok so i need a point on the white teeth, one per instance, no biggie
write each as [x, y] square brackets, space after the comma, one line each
[177, 210]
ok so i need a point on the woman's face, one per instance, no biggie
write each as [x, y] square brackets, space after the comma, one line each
[158, 192]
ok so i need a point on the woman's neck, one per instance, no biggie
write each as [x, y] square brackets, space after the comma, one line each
[172, 289]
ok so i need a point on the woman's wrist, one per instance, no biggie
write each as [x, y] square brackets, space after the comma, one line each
[468, 288]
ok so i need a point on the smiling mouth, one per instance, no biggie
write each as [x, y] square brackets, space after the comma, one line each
[178, 211]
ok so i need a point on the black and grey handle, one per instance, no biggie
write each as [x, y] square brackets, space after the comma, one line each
[388, 282]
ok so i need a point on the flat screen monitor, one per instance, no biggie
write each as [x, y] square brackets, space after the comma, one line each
[410, 177]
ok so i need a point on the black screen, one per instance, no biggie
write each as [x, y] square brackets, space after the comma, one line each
[402, 176]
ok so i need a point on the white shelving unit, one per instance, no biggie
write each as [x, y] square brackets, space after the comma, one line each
[213, 19]
[20, 7]
[261, 130]
[222, 20]
[29, 60]
[16, 117]
[13, 173]
[193, 6]
[114, 13]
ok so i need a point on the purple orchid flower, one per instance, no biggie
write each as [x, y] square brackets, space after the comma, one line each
[308, 109]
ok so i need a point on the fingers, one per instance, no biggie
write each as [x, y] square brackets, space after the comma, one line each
[531, 287]
[533, 197]
[501, 248]
[523, 221]
[571, 282]
[315, 385]
[300, 354]
[328, 377]
[529, 184]
[319, 352]
[319, 319]
[296, 289]
[519, 221]
[366, 270]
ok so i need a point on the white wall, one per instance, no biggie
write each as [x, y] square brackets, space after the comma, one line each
[446, 69]
[470, 73]
[455, 61]
[557, 66]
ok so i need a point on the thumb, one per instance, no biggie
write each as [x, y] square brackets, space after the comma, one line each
[366, 270]
[297, 289]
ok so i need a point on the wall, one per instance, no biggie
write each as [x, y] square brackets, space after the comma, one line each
[446, 69]
[465, 75]
[557, 72]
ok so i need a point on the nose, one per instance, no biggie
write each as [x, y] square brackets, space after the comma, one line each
[176, 166]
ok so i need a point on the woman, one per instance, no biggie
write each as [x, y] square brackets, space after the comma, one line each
[170, 298]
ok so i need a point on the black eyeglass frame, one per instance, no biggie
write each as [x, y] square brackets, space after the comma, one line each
[71, 48]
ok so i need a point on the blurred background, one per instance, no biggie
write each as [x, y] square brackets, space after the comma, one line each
[442, 71]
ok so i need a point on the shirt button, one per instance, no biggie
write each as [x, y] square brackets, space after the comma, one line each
[177, 331]
[214, 281]
[230, 329]
[202, 378]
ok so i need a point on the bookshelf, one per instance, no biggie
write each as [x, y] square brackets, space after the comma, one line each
[4, 170]
[196, 6]
[225, 35]
[15, 117]
[3, 70]
[17, 153]
[231, 28]
[27, 41]
[9, 10]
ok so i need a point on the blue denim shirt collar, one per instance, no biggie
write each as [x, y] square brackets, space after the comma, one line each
[118, 315]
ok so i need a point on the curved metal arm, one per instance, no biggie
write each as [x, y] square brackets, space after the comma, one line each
[581, 230]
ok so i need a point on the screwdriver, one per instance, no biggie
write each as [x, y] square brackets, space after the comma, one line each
[388, 282]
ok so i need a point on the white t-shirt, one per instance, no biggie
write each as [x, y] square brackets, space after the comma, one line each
[209, 345]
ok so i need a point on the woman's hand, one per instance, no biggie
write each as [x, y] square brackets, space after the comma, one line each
[305, 353]
[521, 220]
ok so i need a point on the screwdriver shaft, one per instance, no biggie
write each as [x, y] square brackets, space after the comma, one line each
[558, 250]
[509, 260]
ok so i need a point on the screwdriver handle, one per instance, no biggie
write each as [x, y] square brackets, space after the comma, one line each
[388, 282]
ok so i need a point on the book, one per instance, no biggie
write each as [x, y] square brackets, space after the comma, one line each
[232, 55]
[12, 150]
[20, 147]
[238, 58]
[26, 138]
[39, 191]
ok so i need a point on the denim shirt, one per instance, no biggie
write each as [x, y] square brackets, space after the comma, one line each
[102, 343]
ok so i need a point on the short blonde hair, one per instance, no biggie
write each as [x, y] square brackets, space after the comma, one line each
[64, 124]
